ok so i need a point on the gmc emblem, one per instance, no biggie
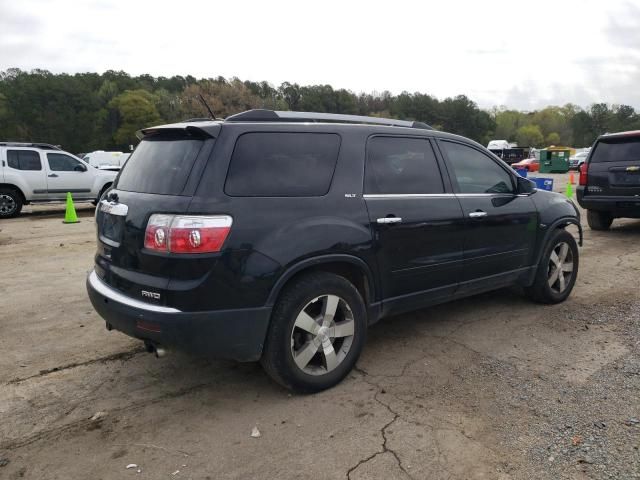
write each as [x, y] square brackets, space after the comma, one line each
[154, 295]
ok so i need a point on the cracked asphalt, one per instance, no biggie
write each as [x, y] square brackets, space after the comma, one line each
[491, 387]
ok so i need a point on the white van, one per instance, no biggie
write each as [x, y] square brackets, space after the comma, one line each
[100, 158]
[498, 145]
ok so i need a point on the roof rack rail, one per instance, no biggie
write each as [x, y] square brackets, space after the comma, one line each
[43, 146]
[260, 115]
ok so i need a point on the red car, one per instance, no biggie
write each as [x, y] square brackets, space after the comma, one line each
[529, 164]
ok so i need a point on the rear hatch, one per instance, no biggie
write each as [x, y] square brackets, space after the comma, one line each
[614, 167]
[160, 177]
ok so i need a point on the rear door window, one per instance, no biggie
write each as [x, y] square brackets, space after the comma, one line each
[617, 150]
[59, 162]
[282, 164]
[24, 159]
[160, 165]
[401, 165]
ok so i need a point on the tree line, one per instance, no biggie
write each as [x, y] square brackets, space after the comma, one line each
[90, 111]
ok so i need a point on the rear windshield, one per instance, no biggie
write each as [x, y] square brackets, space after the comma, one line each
[160, 165]
[282, 164]
[617, 150]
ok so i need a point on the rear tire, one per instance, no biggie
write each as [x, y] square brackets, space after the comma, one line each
[10, 203]
[557, 270]
[307, 350]
[599, 220]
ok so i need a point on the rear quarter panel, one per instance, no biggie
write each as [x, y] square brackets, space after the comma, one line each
[272, 234]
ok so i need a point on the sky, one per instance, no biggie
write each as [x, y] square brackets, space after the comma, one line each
[517, 54]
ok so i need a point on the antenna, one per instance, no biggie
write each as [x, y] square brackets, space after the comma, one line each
[206, 105]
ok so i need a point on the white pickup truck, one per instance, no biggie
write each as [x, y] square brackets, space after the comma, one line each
[39, 172]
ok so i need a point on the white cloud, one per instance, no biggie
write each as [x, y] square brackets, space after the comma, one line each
[519, 54]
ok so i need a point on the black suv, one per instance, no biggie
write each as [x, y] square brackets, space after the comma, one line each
[610, 179]
[281, 236]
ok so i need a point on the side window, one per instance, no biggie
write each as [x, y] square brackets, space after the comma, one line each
[282, 164]
[476, 172]
[59, 162]
[399, 165]
[24, 159]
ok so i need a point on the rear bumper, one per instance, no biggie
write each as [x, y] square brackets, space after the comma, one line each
[230, 334]
[617, 206]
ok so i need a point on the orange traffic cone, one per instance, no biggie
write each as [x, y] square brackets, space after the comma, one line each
[572, 180]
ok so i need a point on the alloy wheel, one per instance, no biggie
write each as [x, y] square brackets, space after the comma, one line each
[7, 204]
[560, 267]
[322, 335]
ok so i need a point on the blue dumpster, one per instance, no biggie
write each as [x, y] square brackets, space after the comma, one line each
[522, 172]
[543, 183]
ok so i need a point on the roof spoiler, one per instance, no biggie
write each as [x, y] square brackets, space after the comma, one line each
[194, 128]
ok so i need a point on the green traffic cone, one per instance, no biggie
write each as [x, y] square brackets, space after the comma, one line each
[569, 192]
[70, 213]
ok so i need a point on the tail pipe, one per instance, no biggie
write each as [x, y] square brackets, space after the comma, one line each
[151, 347]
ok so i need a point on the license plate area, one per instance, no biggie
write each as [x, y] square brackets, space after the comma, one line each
[111, 220]
[625, 178]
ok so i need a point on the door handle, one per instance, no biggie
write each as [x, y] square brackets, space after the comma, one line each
[385, 220]
[52, 175]
[478, 214]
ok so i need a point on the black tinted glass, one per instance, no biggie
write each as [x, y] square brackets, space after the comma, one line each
[617, 150]
[282, 164]
[159, 165]
[24, 159]
[59, 162]
[476, 172]
[397, 165]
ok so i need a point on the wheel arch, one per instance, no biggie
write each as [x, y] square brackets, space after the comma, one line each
[107, 185]
[350, 267]
[17, 189]
[560, 223]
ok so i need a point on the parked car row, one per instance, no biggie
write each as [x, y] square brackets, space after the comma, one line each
[281, 236]
[576, 161]
[39, 172]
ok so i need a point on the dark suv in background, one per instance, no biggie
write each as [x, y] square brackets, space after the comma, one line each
[609, 185]
[281, 236]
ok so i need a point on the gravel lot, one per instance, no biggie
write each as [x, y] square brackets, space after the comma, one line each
[492, 387]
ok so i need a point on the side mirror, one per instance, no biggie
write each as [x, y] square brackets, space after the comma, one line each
[525, 186]
[80, 168]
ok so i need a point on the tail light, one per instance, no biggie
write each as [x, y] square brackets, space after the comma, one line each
[187, 234]
[583, 175]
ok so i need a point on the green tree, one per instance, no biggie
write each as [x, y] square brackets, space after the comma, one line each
[600, 117]
[136, 109]
[508, 122]
[553, 139]
[529, 136]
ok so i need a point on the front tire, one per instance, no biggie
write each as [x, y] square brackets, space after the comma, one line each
[318, 329]
[10, 203]
[599, 220]
[557, 270]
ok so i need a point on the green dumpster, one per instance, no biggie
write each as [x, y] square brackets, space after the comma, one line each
[554, 160]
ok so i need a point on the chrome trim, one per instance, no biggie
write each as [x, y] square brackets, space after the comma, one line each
[477, 214]
[409, 195]
[108, 292]
[436, 195]
[389, 220]
[114, 208]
